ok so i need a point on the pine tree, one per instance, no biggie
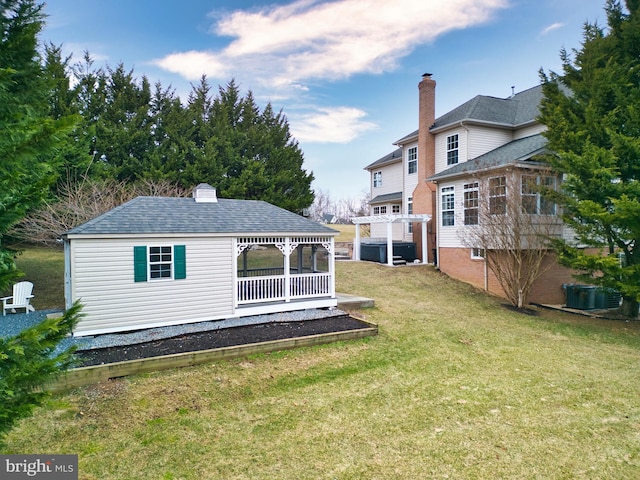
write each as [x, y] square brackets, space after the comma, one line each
[592, 111]
[29, 133]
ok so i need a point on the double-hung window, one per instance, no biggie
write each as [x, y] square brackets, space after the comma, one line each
[377, 179]
[471, 203]
[412, 160]
[448, 206]
[452, 149]
[160, 261]
[498, 195]
[534, 201]
[410, 211]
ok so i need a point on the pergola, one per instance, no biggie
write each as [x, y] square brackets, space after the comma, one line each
[390, 219]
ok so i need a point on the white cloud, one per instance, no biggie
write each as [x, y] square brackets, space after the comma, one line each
[330, 125]
[551, 28]
[312, 39]
[279, 50]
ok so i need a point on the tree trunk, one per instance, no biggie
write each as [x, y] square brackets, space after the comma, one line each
[629, 307]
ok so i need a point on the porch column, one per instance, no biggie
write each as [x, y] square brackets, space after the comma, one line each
[356, 243]
[425, 254]
[287, 267]
[389, 243]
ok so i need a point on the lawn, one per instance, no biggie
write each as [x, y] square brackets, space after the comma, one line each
[454, 386]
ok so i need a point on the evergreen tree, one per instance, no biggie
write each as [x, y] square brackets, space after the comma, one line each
[29, 133]
[594, 132]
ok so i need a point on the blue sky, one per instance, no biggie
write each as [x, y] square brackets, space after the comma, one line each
[344, 72]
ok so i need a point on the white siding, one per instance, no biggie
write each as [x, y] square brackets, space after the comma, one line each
[484, 139]
[441, 148]
[103, 279]
[528, 131]
[379, 230]
[449, 236]
[391, 179]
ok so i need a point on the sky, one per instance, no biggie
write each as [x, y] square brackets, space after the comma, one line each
[344, 72]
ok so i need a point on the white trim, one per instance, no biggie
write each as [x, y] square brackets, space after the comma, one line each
[389, 219]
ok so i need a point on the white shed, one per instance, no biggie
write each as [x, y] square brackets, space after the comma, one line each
[157, 261]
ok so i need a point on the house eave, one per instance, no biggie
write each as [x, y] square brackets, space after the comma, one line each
[474, 121]
[522, 164]
[169, 235]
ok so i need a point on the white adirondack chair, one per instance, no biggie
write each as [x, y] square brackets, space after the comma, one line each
[21, 298]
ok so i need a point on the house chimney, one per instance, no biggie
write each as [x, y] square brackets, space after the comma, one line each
[424, 195]
[205, 193]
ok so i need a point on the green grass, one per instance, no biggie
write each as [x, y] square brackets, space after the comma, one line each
[45, 268]
[454, 386]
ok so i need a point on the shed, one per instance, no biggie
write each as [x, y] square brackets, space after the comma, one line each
[157, 261]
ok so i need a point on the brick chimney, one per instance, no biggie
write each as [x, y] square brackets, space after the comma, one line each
[424, 195]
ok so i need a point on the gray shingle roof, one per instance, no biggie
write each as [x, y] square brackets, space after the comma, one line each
[162, 215]
[511, 153]
[388, 197]
[519, 109]
[392, 157]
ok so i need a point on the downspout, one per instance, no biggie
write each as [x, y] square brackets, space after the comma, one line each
[486, 272]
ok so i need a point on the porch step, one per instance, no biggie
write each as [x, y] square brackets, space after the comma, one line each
[398, 260]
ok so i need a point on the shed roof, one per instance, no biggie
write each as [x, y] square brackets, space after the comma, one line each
[174, 215]
[511, 153]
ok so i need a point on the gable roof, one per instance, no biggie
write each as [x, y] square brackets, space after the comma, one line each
[514, 152]
[517, 110]
[174, 215]
[395, 156]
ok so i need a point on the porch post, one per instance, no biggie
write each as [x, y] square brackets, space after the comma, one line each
[425, 254]
[356, 246]
[287, 273]
[389, 243]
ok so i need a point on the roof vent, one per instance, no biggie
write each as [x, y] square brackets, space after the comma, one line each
[205, 193]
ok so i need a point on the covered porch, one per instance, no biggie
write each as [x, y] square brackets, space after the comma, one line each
[390, 219]
[284, 272]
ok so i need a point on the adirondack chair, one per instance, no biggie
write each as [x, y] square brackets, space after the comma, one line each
[20, 298]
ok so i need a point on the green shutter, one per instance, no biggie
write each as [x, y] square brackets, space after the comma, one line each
[140, 264]
[179, 262]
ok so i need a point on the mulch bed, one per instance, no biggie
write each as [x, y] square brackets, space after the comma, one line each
[227, 337]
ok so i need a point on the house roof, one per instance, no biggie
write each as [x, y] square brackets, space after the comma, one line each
[519, 109]
[413, 136]
[511, 153]
[174, 215]
[388, 197]
[395, 156]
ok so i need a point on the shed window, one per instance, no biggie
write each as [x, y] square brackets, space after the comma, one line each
[159, 262]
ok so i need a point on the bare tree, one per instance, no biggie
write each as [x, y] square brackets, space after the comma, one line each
[321, 205]
[512, 227]
[79, 202]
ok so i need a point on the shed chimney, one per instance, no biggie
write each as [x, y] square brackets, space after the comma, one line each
[205, 193]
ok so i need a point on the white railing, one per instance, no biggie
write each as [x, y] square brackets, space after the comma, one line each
[273, 288]
[310, 285]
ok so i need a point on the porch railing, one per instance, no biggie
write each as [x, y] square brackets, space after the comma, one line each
[273, 288]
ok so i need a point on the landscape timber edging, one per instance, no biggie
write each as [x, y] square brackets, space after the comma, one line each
[81, 376]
